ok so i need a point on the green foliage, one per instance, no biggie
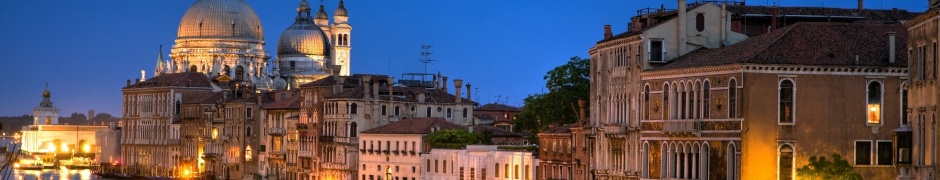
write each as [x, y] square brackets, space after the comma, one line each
[457, 138]
[566, 84]
[821, 168]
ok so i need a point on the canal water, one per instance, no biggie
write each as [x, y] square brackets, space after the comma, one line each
[45, 174]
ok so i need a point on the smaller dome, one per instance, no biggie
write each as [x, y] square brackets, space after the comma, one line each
[46, 94]
[280, 83]
[322, 13]
[341, 10]
[304, 6]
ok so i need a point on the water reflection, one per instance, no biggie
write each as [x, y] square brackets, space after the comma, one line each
[49, 174]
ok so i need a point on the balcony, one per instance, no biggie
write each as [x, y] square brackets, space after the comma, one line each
[305, 154]
[276, 131]
[325, 139]
[682, 127]
[619, 130]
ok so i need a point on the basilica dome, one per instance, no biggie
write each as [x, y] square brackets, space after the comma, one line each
[303, 37]
[221, 19]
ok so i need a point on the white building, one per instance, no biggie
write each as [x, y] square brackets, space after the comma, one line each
[395, 149]
[109, 144]
[478, 162]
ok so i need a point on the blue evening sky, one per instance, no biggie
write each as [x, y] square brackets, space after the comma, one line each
[86, 50]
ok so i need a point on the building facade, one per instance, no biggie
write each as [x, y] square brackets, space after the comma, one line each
[479, 162]
[917, 158]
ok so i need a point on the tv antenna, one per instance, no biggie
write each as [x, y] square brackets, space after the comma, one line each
[427, 56]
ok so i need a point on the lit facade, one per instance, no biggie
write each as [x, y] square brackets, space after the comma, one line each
[478, 162]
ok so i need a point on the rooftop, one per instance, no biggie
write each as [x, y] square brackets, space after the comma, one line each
[813, 43]
[414, 126]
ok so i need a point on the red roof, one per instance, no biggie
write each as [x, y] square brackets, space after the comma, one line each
[292, 102]
[414, 126]
[824, 44]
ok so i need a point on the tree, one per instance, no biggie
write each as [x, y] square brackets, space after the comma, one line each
[566, 84]
[821, 168]
[458, 138]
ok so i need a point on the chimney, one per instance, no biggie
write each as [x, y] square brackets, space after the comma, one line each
[681, 30]
[773, 20]
[607, 32]
[338, 86]
[128, 82]
[581, 115]
[137, 81]
[375, 88]
[891, 47]
[390, 84]
[259, 99]
[468, 92]
[457, 85]
[444, 86]
[861, 5]
[366, 80]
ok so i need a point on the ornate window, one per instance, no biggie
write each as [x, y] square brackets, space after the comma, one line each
[874, 102]
[733, 99]
[706, 99]
[786, 111]
[785, 159]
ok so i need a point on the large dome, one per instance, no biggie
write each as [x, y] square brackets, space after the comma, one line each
[221, 19]
[303, 37]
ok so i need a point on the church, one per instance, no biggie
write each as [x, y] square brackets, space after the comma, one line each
[225, 37]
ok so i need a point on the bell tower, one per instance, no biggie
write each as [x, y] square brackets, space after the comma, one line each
[341, 41]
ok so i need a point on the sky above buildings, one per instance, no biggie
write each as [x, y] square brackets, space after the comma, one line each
[86, 50]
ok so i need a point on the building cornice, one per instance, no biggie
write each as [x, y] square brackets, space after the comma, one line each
[776, 69]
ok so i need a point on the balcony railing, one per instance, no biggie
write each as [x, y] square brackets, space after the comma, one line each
[326, 138]
[276, 131]
[683, 127]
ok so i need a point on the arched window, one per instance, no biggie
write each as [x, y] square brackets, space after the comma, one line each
[428, 166]
[353, 128]
[383, 110]
[248, 153]
[429, 112]
[239, 73]
[413, 108]
[496, 172]
[506, 171]
[526, 172]
[448, 112]
[786, 102]
[192, 68]
[225, 70]
[248, 131]
[397, 110]
[700, 22]
[706, 99]
[904, 104]
[874, 102]
[515, 171]
[465, 112]
[353, 108]
[646, 102]
[178, 107]
[786, 162]
[732, 99]
[666, 107]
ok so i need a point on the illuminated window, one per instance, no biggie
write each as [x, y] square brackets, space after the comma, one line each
[248, 153]
[786, 162]
[215, 133]
[874, 102]
[786, 102]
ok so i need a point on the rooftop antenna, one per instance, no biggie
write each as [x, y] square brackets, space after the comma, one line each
[427, 56]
